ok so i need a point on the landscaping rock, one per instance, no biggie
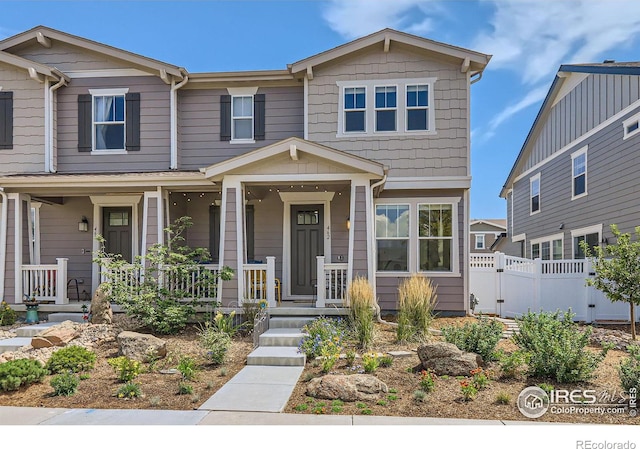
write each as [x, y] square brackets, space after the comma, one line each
[58, 335]
[348, 388]
[446, 359]
[100, 309]
[141, 346]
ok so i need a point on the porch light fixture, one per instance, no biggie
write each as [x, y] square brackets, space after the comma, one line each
[348, 223]
[83, 225]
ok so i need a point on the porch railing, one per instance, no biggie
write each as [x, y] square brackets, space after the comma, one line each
[45, 282]
[259, 281]
[332, 283]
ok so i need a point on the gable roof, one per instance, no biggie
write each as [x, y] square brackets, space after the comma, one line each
[32, 67]
[43, 34]
[609, 68]
[497, 222]
[470, 60]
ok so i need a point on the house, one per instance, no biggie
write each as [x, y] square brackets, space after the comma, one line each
[487, 234]
[351, 162]
[576, 173]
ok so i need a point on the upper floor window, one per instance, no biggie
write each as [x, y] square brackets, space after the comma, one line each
[631, 126]
[479, 241]
[579, 173]
[534, 193]
[108, 122]
[396, 106]
[242, 117]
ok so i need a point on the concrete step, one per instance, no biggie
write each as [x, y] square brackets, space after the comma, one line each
[33, 330]
[281, 337]
[280, 322]
[276, 356]
[60, 317]
[13, 344]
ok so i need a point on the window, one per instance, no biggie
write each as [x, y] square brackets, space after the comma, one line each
[579, 175]
[557, 249]
[534, 190]
[535, 250]
[547, 248]
[417, 107]
[355, 109]
[242, 117]
[591, 235]
[435, 234]
[479, 241]
[386, 106]
[631, 126]
[6, 120]
[108, 122]
[392, 237]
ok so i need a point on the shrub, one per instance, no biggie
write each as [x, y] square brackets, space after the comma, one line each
[330, 352]
[126, 368]
[629, 370]
[416, 300]
[419, 395]
[503, 398]
[350, 357]
[17, 373]
[480, 337]
[514, 364]
[320, 332]
[71, 358]
[556, 347]
[301, 407]
[370, 362]
[65, 384]
[129, 390]
[185, 388]
[227, 324]
[479, 378]
[187, 367]
[386, 361]
[215, 343]
[427, 381]
[469, 390]
[361, 311]
[7, 314]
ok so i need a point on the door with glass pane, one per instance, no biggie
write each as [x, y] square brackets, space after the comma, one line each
[116, 224]
[307, 243]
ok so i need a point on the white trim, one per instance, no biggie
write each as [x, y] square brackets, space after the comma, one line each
[47, 129]
[579, 140]
[595, 229]
[428, 182]
[107, 152]
[550, 239]
[107, 92]
[36, 232]
[105, 73]
[223, 214]
[519, 237]
[631, 121]
[121, 92]
[570, 82]
[479, 237]
[242, 91]
[17, 245]
[574, 155]
[385, 108]
[306, 108]
[466, 247]
[240, 236]
[3, 238]
[531, 195]
[495, 225]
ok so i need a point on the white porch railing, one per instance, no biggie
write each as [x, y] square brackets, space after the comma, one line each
[45, 282]
[259, 281]
[332, 283]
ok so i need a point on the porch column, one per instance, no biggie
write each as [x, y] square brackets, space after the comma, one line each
[360, 254]
[152, 220]
[18, 245]
[232, 241]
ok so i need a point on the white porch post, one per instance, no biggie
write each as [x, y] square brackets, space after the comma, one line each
[321, 288]
[20, 218]
[499, 264]
[232, 240]
[271, 281]
[61, 286]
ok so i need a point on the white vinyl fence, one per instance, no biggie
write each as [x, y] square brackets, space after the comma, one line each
[510, 286]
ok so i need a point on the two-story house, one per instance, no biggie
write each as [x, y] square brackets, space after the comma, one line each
[487, 234]
[352, 162]
[576, 173]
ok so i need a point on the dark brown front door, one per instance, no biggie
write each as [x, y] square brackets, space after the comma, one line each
[116, 229]
[307, 242]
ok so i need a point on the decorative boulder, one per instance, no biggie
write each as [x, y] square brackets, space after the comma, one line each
[141, 346]
[446, 359]
[58, 335]
[100, 309]
[349, 388]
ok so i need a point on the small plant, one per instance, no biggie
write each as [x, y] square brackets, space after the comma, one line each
[84, 376]
[226, 324]
[129, 390]
[419, 395]
[427, 381]
[479, 378]
[514, 364]
[309, 400]
[65, 384]
[127, 369]
[469, 391]
[350, 357]
[366, 411]
[503, 398]
[329, 354]
[416, 300]
[392, 397]
[210, 385]
[195, 398]
[322, 332]
[16, 373]
[480, 337]
[215, 343]
[336, 409]
[361, 405]
[301, 408]
[382, 402]
[185, 388]
[71, 358]
[393, 390]
[629, 370]
[361, 311]
[223, 372]
[386, 361]
[547, 388]
[444, 377]
[187, 367]
[155, 401]
[370, 362]
[318, 410]
[7, 314]
[308, 377]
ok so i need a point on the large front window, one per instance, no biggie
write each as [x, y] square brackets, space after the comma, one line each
[242, 117]
[392, 236]
[435, 233]
[109, 122]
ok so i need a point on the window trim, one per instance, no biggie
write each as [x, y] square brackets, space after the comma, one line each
[386, 108]
[482, 238]
[401, 107]
[531, 181]
[634, 119]
[253, 113]
[595, 229]
[580, 152]
[123, 91]
[548, 239]
[355, 109]
[407, 238]
[411, 108]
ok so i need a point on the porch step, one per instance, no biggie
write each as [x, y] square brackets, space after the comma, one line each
[61, 316]
[33, 330]
[288, 322]
[13, 344]
[281, 337]
[276, 356]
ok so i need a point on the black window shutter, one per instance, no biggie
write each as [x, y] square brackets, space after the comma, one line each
[133, 121]
[225, 117]
[6, 120]
[84, 123]
[258, 117]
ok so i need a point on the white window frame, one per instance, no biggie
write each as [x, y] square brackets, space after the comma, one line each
[409, 108]
[531, 195]
[401, 104]
[479, 239]
[243, 92]
[548, 239]
[580, 152]
[407, 238]
[344, 110]
[633, 120]
[119, 92]
[243, 118]
[595, 229]
[385, 108]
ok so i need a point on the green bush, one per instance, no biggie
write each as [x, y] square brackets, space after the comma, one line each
[514, 364]
[17, 373]
[187, 367]
[129, 390]
[185, 388]
[361, 311]
[629, 370]
[556, 347]
[126, 368]
[480, 337]
[322, 332]
[216, 343]
[416, 299]
[71, 358]
[65, 384]
[7, 314]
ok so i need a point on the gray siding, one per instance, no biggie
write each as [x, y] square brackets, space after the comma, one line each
[443, 154]
[152, 222]
[154, 154]
[199, 124]
[360, 243]
[340, 206]
[27, 155]
[68, 57]
[230, 288]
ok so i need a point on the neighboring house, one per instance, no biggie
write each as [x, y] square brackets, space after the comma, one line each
[352, 162]
[577, 172]
[487, 234]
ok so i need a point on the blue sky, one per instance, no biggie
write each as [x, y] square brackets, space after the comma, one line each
[528, 40]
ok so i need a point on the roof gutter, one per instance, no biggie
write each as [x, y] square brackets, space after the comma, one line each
[174, 117]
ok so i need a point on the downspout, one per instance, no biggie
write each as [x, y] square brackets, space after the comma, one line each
[174, 118]
[473, 81]
[52, 89]
[3, 238]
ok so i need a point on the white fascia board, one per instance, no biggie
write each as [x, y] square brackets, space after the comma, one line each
[434, 182]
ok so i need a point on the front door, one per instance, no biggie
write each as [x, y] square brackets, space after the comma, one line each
[116, 224]
[307, 242]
